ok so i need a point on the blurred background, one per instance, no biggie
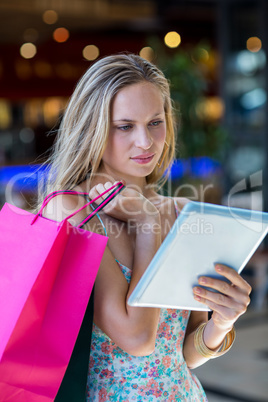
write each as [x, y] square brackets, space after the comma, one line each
[214, 54]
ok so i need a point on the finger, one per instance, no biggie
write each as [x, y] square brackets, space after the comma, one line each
[115, 199]
[95, 192]
[120, 181]
[217, 298]
[233, 277]
[108, 185]
[226, 289]
[204, 296]
[100, 188]
[220, 285]
[229, 307]
[226, 313]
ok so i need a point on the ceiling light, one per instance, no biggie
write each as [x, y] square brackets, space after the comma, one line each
[61, 35]
[91, 52]
[28, 50]
[50, 17]
[172, 39]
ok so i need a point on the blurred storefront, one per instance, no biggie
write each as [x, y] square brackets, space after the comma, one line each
[243, 47]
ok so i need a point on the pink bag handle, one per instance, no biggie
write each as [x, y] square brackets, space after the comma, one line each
[54, 193]
[116, 189]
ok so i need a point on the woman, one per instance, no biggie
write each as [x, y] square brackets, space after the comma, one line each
[119, 126]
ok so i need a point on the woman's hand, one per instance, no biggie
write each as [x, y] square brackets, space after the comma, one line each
[229, 302]
[128, 204]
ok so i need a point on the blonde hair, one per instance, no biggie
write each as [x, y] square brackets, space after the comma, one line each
[83, 133]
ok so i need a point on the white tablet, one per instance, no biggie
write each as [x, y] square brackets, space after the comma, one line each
[201, 236]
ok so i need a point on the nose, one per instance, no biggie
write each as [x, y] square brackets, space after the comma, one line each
[143, 138]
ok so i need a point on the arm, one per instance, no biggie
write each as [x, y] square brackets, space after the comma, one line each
[227, 306]
[132, 329]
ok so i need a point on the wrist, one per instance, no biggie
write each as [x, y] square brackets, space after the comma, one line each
[148, 221]
[214, 335]
[207, 352]
[221, 327]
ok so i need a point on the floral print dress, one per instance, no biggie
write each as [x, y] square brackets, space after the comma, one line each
[116, 376]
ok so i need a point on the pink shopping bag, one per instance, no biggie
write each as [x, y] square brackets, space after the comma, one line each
[47, 272]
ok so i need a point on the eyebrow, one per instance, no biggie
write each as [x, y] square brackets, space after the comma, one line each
[131, 121]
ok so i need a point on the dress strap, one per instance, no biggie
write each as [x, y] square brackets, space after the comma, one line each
[101, 221]
[176, 208]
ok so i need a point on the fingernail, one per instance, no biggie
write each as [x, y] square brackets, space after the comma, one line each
[218, 268]
[197, 290]
[197, 297]
[202, 280]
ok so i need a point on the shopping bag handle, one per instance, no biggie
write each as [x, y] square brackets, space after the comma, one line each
[116, 189]
[72, 192]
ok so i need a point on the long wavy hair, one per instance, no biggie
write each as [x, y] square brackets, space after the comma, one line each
[84, 129]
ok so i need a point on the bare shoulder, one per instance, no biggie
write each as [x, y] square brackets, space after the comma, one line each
[181, 202]
[165, 204]
[168, 210]
[64, 205]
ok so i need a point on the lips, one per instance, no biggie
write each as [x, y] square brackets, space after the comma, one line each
[143, 158]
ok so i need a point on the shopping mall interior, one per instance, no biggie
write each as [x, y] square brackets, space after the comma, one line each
[214, 54]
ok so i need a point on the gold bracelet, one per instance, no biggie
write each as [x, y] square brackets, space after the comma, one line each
[204, 351]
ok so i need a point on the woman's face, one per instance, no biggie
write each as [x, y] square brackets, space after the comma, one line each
[137, 132]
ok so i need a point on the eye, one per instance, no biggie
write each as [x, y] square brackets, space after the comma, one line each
[156, 123]
[126, 127]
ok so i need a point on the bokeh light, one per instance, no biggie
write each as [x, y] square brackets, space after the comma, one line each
[210, 108]
[32, 112]
[52, 108]
[50, 17]
[200, 55]
[30, 35]
[64, 70]
[28, 50]
[147, 53]
[172, 39]
[253, 99]
[42, 69]
[23, 69]
[26, 135]
[91, 52]
[254, 44]
[61, 35]
[5, 114]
